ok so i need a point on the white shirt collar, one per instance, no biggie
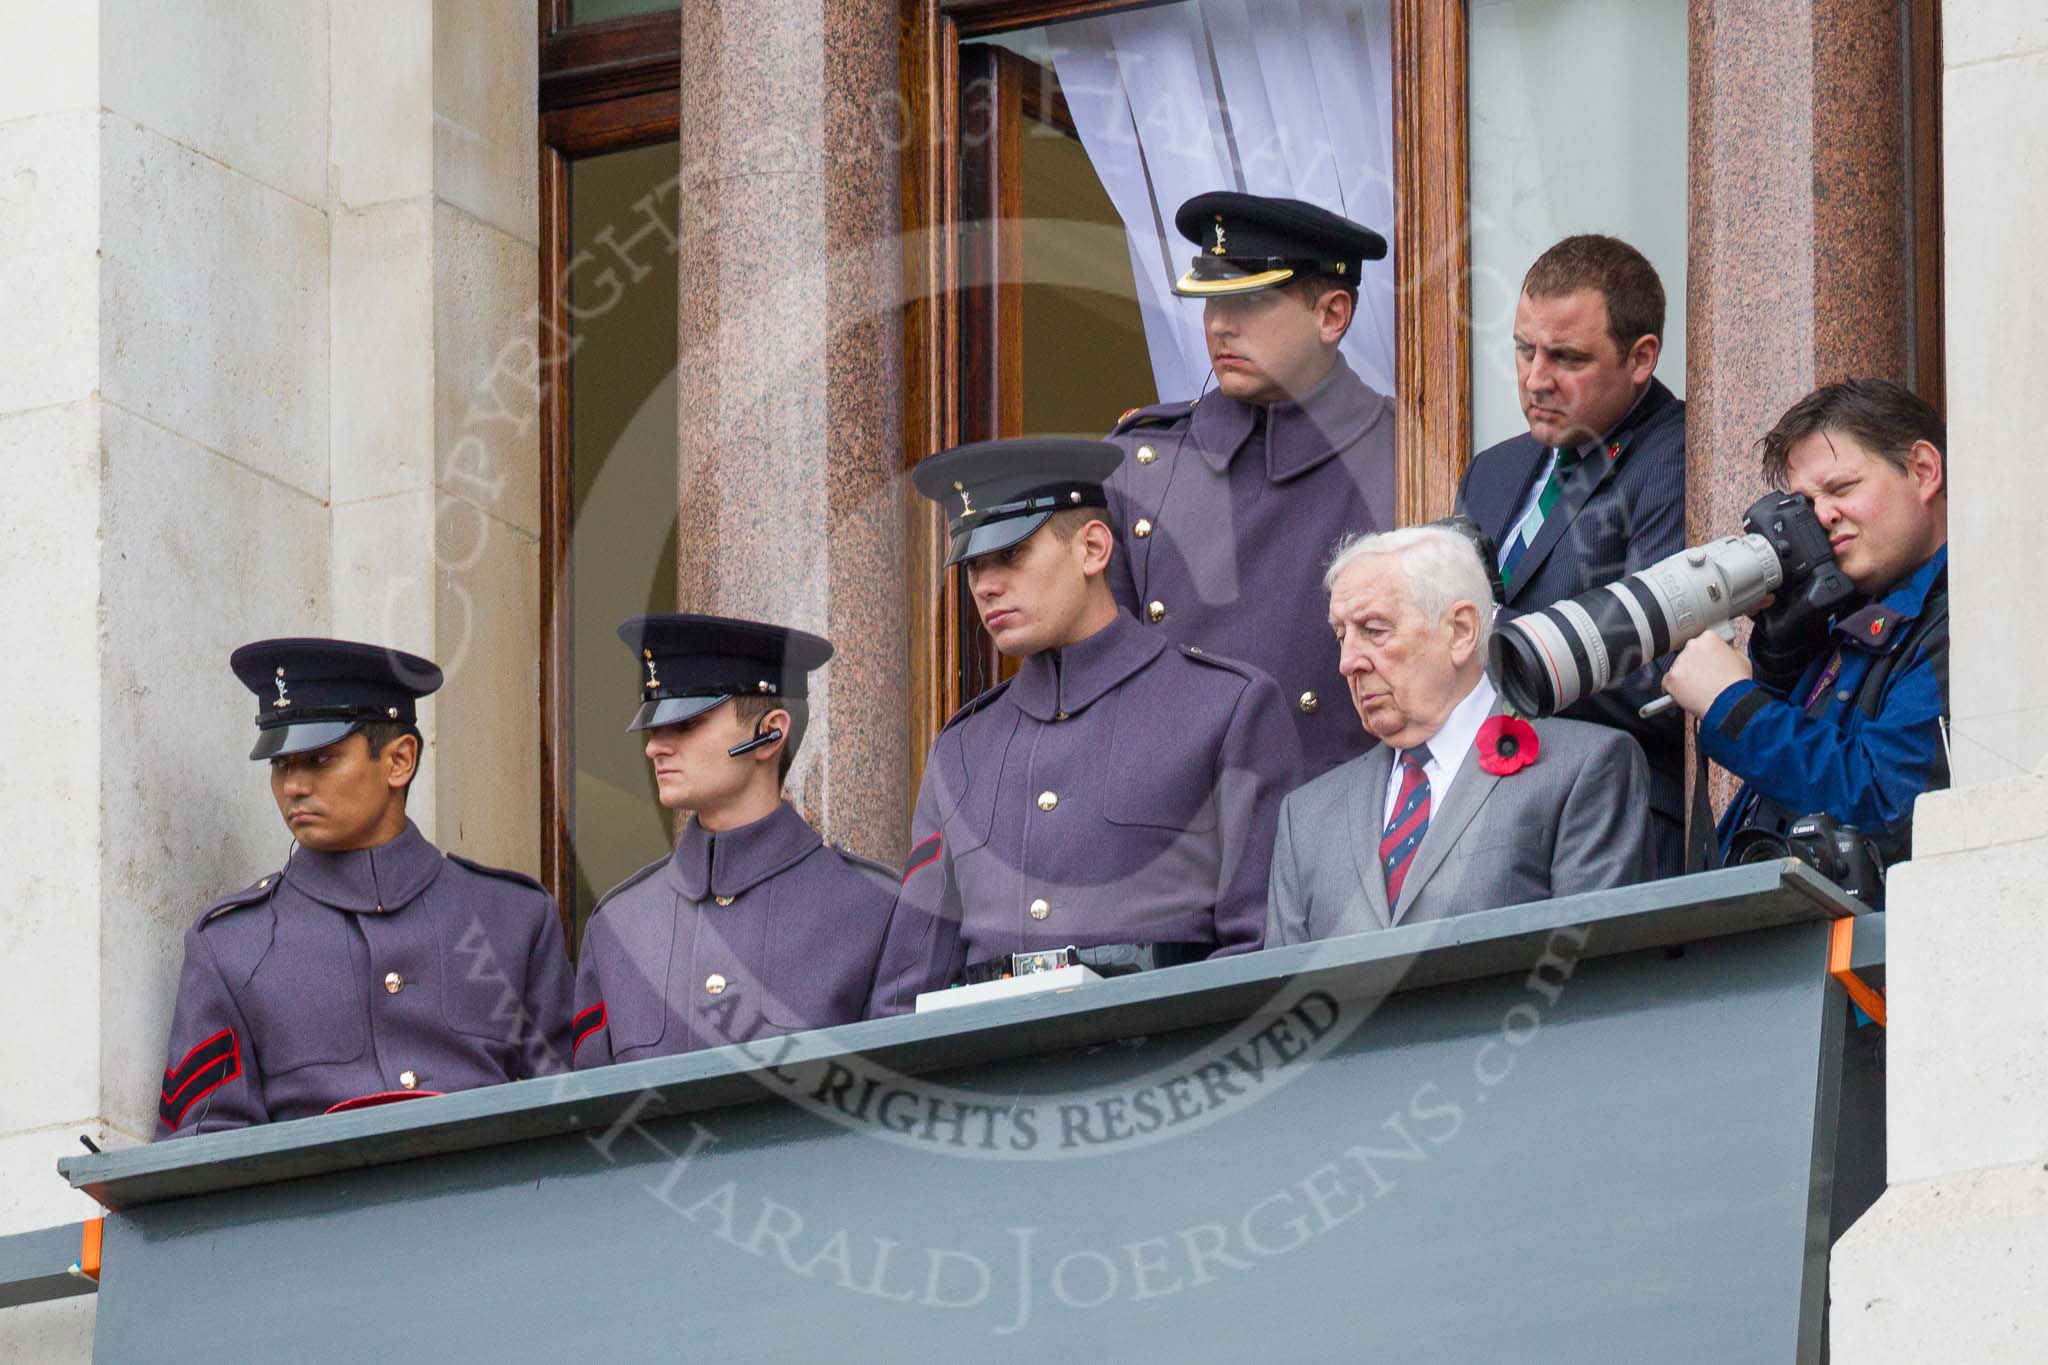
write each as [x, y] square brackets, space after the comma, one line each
[1449, 747]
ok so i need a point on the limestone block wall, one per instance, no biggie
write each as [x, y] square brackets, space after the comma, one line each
[1952, 1263]
[266, 367]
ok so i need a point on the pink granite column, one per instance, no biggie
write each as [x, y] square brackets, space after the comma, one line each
[789, 379]
[1798, 270]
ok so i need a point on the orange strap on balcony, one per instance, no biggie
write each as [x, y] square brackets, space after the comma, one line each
[88, 1267]
[1841, 941]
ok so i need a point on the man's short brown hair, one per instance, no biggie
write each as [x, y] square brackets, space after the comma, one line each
[1068, 521]
[1309, 288]
[1623, 276]
[1884, 418]
[751, 707]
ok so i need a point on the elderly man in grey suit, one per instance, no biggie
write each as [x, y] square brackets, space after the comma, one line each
[1438, 819]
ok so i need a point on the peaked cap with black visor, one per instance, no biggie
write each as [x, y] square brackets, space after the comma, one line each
[691, 663]
[996, 493]
[1252, 242]
[313, 692]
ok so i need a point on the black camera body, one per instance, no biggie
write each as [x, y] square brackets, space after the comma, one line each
[1844, 854]
[1788, 522]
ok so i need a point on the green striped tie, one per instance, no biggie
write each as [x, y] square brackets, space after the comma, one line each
[1525, 534]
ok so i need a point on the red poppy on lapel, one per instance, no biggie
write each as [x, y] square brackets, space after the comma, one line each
[1614, 451]
[1507, 744]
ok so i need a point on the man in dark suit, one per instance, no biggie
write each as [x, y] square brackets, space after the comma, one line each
[1596, 489]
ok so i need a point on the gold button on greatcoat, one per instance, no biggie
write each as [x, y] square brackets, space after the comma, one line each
[393, 983]
[721, 900]
[408, 1079]
[1146, 455]
[1040, 909]
[1309, 703]
[1155, 611]
[713, 984]
[1141, 528]
[1048, 800]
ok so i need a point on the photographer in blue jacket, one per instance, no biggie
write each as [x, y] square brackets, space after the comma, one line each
[1844, 717]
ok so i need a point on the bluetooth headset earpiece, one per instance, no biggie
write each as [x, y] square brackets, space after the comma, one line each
[760, 740]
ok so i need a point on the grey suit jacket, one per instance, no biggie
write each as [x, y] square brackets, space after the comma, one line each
[1577, 819]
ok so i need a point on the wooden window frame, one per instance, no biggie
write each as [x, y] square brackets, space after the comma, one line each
[1000, 91]
[604, 87]
[1433, 423]
[1927, 368]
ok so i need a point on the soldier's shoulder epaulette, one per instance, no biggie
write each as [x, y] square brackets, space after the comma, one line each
[863, 862]
[1228, 665]
[254, 894]
[501, 873]
[888, 873]
[977, 704]
[638, 877]
[1153, 415]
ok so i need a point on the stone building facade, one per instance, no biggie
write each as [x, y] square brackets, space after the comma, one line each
[270, 364]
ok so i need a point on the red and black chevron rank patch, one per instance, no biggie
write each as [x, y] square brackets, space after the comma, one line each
[206, 1068]
[925, 853]
[587, 1023]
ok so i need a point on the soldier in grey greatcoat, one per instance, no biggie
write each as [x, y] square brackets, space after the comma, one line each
[753, 926]
[1229, 503]
[1118, 795]
[372, 967]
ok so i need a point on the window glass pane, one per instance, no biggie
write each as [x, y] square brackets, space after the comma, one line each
[1578, 124]
[1084, 339]
[1141, 110]
[597, 11]
[622, 546]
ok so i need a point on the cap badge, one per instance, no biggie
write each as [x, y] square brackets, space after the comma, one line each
[652, 681]
[1217, 250]
[282, 701]
[966, 499]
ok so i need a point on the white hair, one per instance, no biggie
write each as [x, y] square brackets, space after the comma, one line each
[1442, 566]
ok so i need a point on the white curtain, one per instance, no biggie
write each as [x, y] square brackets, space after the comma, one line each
[1278, 97]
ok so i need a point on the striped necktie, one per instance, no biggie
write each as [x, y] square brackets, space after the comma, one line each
[1408, 824]
[1525, 534]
